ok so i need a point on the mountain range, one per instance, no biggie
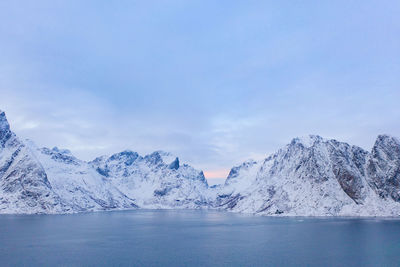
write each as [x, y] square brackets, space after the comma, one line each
[311, 176]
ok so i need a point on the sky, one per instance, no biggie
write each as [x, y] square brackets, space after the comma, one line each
[214, 82]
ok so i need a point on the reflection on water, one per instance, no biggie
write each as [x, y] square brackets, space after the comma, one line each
[196, 238]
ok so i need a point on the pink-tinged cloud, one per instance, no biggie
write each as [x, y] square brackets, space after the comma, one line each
[222, 173]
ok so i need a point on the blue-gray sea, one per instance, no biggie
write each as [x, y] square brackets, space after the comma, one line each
[195, 238]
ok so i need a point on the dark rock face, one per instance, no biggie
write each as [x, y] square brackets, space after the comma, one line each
[316, 176]
[5, 132]
[119, 161]
[162, 192]
[200, 177]
[323, 157]
[348, 167]
[309, 176]
[128, 157]
[43, 180]
[383, 167]
[154, 158]
[174, 165]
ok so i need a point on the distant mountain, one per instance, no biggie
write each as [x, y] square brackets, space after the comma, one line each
[24, 185]
[311, 176]
[43, 180]
[154, 181]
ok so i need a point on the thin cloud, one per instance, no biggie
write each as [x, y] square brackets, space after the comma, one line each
[217, 91]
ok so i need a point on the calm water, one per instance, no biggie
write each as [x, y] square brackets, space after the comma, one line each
[195, 238]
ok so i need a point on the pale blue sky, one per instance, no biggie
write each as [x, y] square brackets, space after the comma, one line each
[215, 82]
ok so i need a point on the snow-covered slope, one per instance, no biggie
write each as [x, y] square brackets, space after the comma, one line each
[78, 184]
[312, 176]
[154, 181]
[42, 180]
[24, 186]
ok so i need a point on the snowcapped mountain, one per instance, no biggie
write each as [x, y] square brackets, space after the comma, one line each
[312, 176]
[43, 180]
[24, 185]
[77, 183]
[154, 181]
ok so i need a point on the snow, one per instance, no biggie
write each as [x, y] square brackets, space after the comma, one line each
[166, 156]
[311, 176]
[43, 180]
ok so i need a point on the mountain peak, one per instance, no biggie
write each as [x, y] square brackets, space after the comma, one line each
[5, 131]
[308, 140]
[384, 139]
[175, 164]
[126, 156]
[4, 126]
[386, 147]
[166, 157]
[61, 151]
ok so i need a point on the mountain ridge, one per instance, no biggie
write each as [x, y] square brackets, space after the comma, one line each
[310, 176]
[44, 180]
[336, 177]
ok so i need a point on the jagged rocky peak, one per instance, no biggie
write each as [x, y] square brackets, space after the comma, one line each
[307, 141]
[235, 171]
[175, 164]
[160, 157]
[198, 175]
[323, 157]
[309, 176]
[5, 132]
[118, 162]
[24, 185]
[126, 156]
[386, 147]
[166, 157]
[384, 167]
[298, 178]
[306, 157]
[58, 155]
[201, 176]
[61, 151]
[4, 125]
[154, 158]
